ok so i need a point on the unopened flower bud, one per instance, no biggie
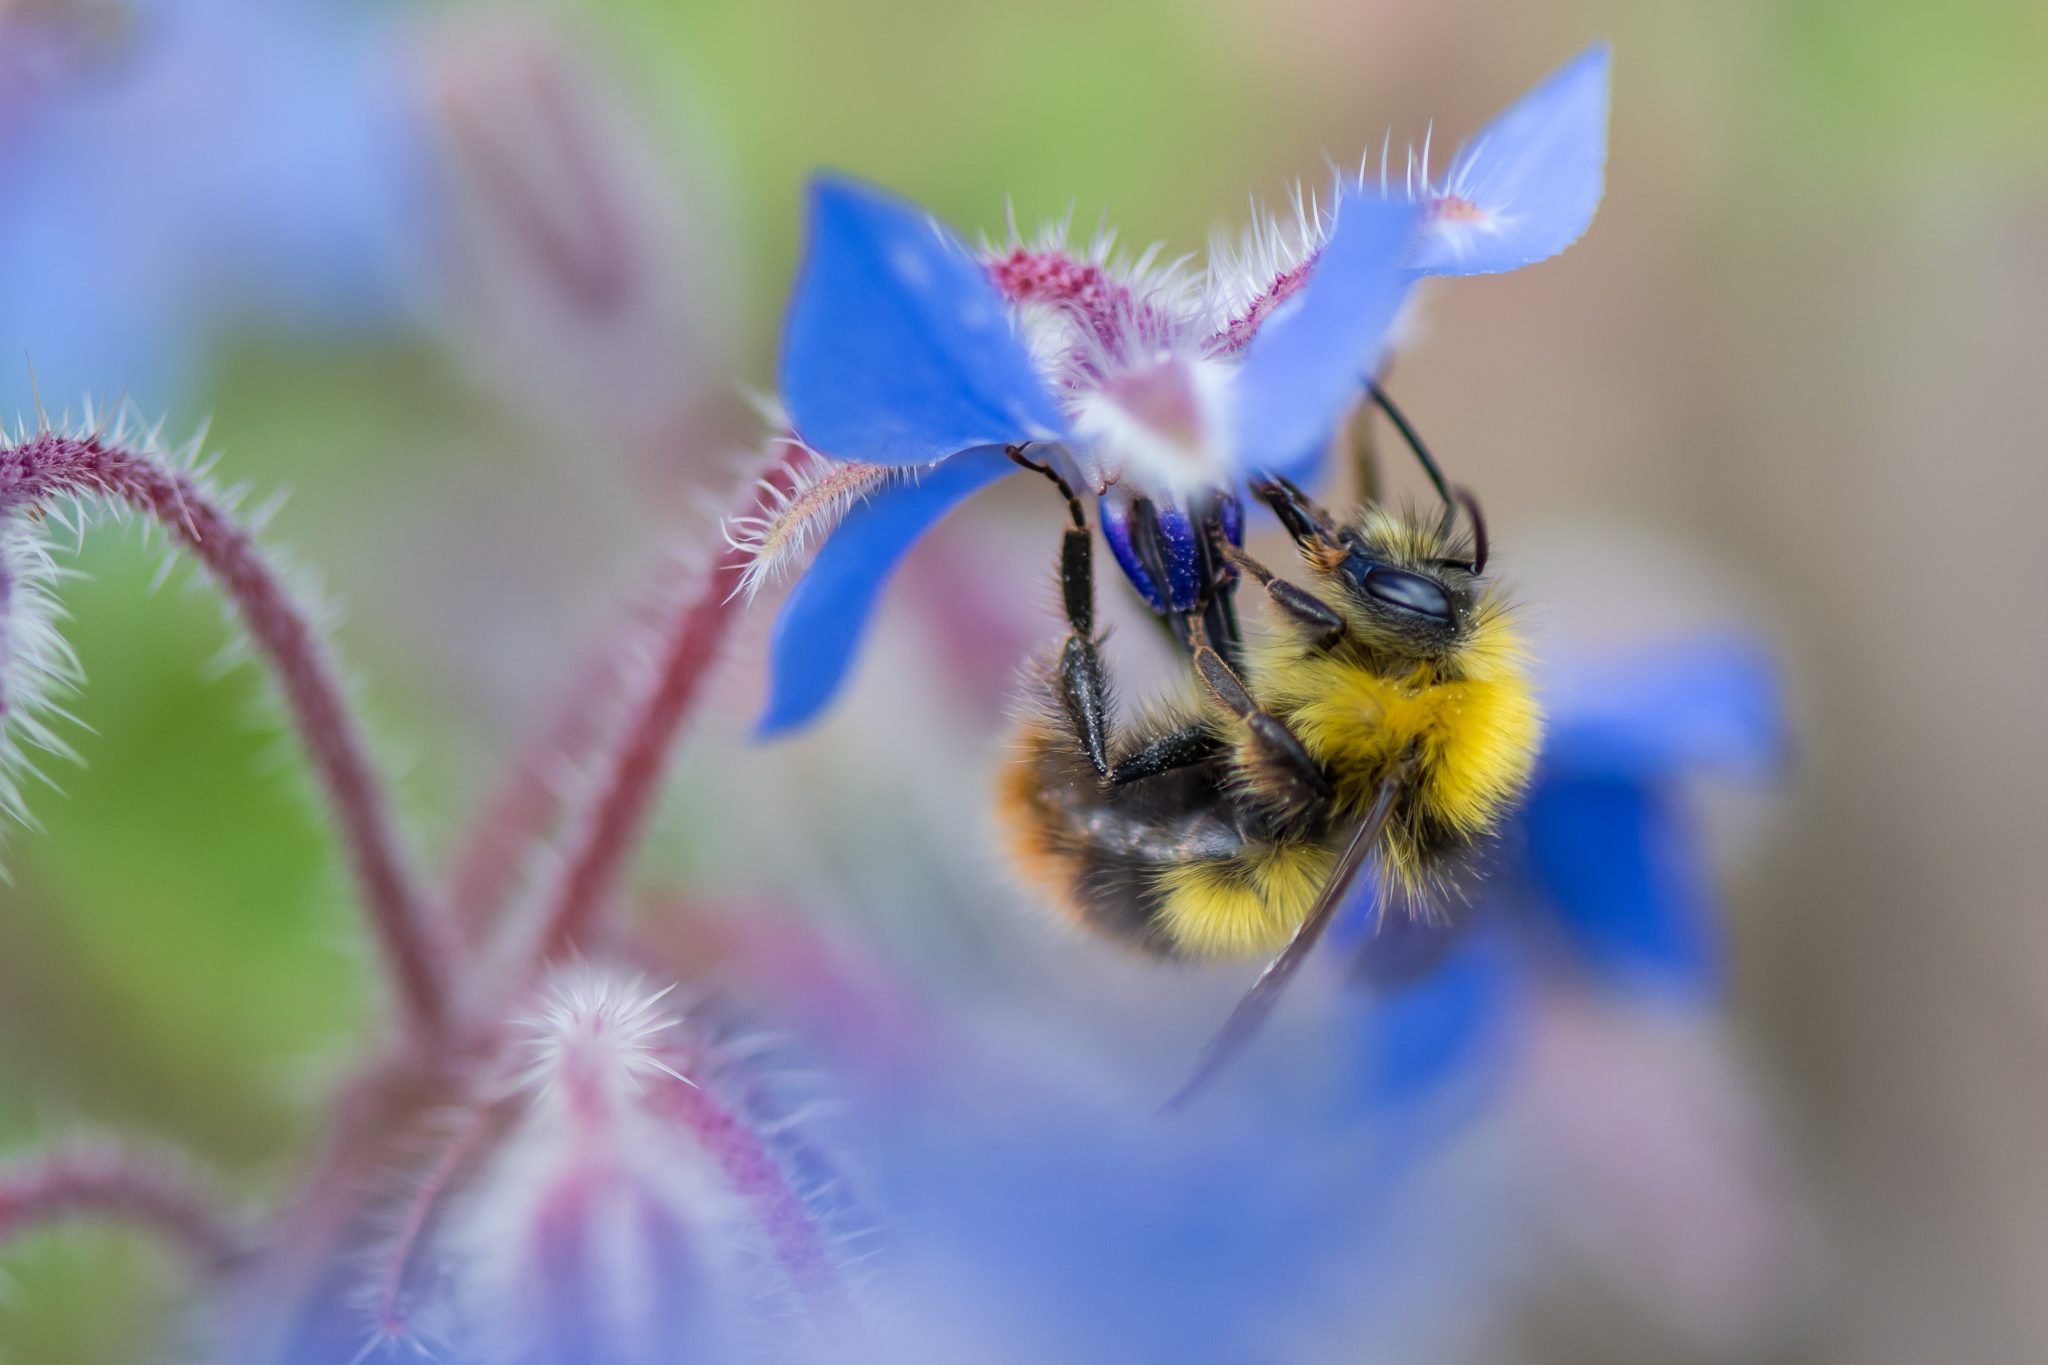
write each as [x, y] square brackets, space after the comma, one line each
[576, 280]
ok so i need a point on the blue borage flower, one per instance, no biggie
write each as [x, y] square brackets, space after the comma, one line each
[919, 361]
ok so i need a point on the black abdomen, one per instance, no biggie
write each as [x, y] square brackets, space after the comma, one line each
[1097, 850]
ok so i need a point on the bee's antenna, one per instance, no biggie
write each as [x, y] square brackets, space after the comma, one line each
[1478, 530]
[1429, 466]
[1454, 498]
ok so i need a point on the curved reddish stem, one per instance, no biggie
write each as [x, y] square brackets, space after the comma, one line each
[370, 1129]
[527, 804]
[419, 1213]
[518, 815]
[105, 1183]
[54, 464]
[603, 831]
[794, 1237]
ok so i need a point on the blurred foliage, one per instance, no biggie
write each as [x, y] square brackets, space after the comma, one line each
[1123, 110]
[86, 1295]
[1883, 88]
[176, 931]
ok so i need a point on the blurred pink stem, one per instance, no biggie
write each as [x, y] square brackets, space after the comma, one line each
[522, 811]
[53, 465]
[373, 1118]
[418, 1214]
[797, 1243]
[97, 1183]
[604, 831]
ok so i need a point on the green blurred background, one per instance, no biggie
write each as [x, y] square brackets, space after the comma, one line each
[1794, 366]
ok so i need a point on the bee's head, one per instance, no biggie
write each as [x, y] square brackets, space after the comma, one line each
[1405, 583]
[1408, 584]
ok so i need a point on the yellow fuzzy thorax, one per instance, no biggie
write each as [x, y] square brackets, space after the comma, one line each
[1461, 703]
[1472, 718]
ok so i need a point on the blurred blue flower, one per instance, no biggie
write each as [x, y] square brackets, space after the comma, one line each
[1348, 1194]
[1609, 851]
[626, 1186]
[177, 167]
[1160, 390]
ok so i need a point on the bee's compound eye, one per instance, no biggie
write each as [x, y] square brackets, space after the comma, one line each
[1409, 591]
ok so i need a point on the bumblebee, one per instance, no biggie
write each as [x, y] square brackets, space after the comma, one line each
[1382, 712]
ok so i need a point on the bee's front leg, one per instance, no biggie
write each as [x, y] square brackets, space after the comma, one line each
[1083, 678]
[1083, 685]
[1323, 623]
[1305, 519]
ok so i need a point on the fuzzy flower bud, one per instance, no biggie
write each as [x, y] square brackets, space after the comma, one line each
[628, 1215]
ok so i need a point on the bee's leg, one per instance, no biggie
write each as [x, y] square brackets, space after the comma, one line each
[1293, 780]
[1084, 681]
[1083, 685]
[1323, 624]
[1181, 748]
[1218, 604]
[1305, 519]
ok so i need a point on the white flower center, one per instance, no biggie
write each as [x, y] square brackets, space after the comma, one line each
[1158, 428]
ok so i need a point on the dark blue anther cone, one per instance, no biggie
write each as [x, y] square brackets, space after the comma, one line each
[1183, 555]
[1116, 529]
[1231, 512]
[1163, 554]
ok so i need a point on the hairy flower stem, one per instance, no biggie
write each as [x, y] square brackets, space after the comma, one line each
[518, 815]
[374, 1123]
[94, 1182]
[456, 1153]
[794, 1237]
[525, 807]
[53, 465]
[603, 831]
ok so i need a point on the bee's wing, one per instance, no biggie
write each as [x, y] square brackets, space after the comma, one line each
[1258, 1002]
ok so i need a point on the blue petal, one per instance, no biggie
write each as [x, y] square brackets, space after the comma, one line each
[1534, 175]
[898, 348]
[1447, 1025]
[1301, 372]
[1618, 865]
[826, 614]
[1707, 703]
